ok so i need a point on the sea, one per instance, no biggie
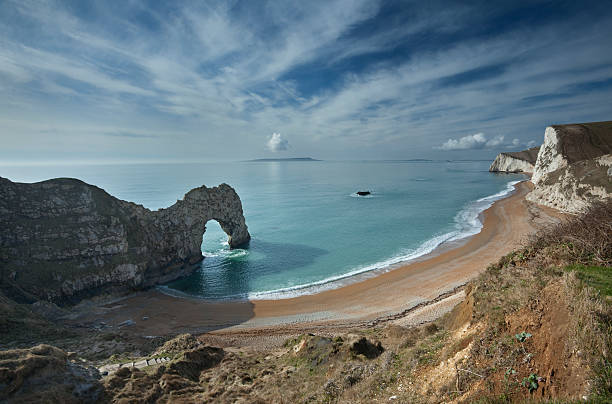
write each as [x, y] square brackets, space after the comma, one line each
[310, 230]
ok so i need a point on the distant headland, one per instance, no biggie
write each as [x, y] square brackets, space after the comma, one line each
[285, 159]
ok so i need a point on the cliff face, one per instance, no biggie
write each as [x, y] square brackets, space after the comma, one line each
[515, 162]
[64, 240]
[573, 167]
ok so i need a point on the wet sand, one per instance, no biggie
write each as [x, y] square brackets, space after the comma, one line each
[431, 285]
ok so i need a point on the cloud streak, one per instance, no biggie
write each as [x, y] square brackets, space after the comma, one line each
[346, 78]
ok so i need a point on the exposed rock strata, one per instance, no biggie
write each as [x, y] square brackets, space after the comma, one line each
[515, 162]
[574, 166]
[69, 240]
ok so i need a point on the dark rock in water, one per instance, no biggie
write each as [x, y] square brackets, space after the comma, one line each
[363, 193]
[63, 240]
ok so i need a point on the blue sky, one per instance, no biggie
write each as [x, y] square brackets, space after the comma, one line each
[349, 79]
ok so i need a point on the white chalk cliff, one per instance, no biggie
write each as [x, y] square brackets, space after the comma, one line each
[515, 162]
[574, 166]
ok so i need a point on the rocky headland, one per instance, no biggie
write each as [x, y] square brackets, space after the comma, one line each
[64, 240]
[516, 162]
[571, 170]
[574, 166]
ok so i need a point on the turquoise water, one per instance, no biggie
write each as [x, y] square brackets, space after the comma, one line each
[309, 230]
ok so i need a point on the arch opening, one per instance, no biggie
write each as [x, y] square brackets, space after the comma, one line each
[214, 238]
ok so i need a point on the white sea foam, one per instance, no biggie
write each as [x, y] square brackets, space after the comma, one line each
[371, 195]
[226, 253]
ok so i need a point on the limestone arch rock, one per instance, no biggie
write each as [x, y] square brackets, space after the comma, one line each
[63, 240]
[221, 204]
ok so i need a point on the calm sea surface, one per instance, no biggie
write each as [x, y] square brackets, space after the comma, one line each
[309, 230]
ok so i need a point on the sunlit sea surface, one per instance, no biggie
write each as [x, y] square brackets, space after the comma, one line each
[309, 230]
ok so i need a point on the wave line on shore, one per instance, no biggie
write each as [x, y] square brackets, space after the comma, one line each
[467, 223]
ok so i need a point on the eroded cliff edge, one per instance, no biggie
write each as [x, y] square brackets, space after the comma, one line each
[574, 166]
[515, 162]
[64, 240]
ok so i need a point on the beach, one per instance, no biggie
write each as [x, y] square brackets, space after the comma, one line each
[411, 294]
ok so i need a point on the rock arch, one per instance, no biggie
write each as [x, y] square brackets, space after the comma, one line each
[221, 204]
[66, 240]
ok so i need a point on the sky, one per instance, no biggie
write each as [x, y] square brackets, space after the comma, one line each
[139, 80]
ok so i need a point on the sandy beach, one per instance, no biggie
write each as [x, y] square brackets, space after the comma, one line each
[410, 294]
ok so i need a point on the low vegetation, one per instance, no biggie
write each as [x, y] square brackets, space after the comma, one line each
[554, 296]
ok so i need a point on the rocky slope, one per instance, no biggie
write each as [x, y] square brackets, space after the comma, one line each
[574, 166]
[47, 374]
[69, 240]
[515, 162]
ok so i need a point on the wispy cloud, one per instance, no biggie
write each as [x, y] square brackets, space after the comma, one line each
[357, 76]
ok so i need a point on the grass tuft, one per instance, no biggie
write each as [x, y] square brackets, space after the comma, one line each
[597, 277]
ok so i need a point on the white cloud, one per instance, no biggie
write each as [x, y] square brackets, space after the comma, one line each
[276, 143]
[480, 141]
[475, 141]
[496, 141]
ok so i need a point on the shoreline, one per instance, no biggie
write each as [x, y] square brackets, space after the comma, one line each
[418, 273]
[391, 296]
[472, 213]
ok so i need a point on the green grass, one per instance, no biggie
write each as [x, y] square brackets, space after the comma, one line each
[597, 277]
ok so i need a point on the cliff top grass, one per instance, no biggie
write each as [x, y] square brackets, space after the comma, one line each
[597, 277]
[529, 155]
[585, 141]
